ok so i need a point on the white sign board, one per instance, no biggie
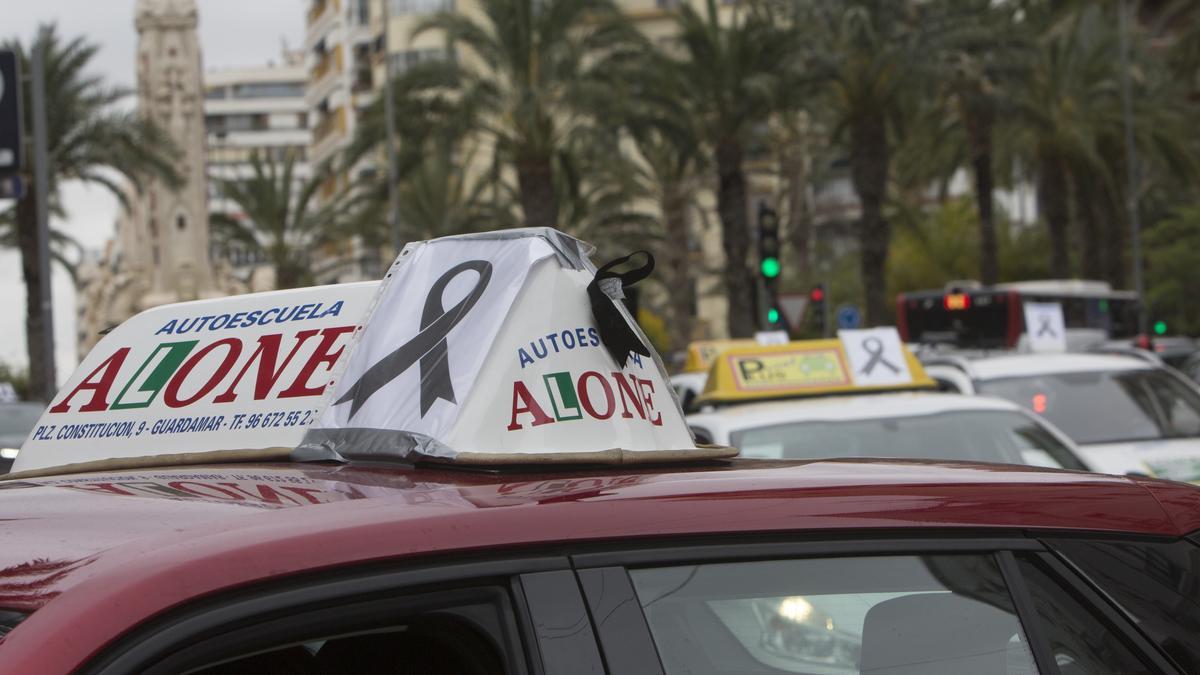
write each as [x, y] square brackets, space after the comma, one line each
[518, 369]
[1045, 328]
[244, 372]
[877, 357]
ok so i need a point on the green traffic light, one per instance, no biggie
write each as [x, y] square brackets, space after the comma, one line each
[772, 315]
[1160, 327]
[770, 267]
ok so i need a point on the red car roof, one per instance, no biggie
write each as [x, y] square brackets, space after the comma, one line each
[145, 541]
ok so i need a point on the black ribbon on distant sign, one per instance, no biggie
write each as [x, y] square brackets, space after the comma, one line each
[874, 348]
[1044, 327]
[607, 289]
[428, 347]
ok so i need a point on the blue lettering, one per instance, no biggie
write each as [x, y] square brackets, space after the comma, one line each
[581, 337]
[553, 337]
[595, 336]
[202, 322]
[333, 311]
[223, 318]
[285, 315]
[236, 321]
[302, 312]
[565, 335]
[266, 316]
[167, 328]
[541, 354]
[523, 356]
[252, 318]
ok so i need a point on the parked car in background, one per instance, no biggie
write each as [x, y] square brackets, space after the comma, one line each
[17, 419]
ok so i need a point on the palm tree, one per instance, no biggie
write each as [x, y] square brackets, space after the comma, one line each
[279, 220]
[529, 69]
[979, 50]
[871, 58]
[731, 68]
[88, 139]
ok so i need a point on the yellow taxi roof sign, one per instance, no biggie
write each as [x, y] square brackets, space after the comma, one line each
[702, 353]
[802, 369]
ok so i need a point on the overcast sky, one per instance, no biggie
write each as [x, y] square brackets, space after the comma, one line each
[232, 33]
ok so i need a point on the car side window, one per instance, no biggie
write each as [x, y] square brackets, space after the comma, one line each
[1080, 642]
[899, 615]
[1156, 583]
[432, 644]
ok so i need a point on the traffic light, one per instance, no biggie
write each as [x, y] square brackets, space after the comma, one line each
[1160, 327]
[768, 244]
[768, 263]
[816, 307]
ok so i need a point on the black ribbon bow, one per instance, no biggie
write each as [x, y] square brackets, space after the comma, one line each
[605, 291]
[428, 347]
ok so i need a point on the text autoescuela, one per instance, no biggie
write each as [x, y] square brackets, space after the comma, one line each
[261, 317]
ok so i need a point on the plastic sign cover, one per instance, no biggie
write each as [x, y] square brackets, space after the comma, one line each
[483, 349]
[238, 373]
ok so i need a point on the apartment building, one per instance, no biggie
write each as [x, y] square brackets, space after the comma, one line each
[261, 110]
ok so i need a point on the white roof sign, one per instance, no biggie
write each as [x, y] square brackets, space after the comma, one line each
[1045, 327]
[237, 373]
[479, 349]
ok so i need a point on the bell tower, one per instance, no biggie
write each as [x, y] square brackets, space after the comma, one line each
[170, 92]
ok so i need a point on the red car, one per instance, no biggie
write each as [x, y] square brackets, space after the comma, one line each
[732, 567]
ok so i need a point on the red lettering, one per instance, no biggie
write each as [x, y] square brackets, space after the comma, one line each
[101, 487]
[267, 355]
[646, 388]
[98, 382]
[262, 493]
[171, 395]
[181, 485]
[307, 493]
[524, 402]
[626, 389]
[585, 397]
[322, 355]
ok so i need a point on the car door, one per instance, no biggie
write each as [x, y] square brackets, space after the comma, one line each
[857, 605]
[521, 616]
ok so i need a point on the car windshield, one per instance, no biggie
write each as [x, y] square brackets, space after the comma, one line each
[1002, 436]
[1107, 406]
[16, 421]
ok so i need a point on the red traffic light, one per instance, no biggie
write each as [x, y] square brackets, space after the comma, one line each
[817, 294]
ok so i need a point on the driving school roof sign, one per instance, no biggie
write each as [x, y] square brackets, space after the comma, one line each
[481, 348]
[505, 363]
[234, 374]
[859, 361]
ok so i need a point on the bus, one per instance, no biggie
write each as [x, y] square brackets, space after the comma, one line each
[968, 314]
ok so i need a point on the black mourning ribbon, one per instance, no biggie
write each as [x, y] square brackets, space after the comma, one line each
[428, 347]
[1045, 328]
[874, 348]
[605, 291]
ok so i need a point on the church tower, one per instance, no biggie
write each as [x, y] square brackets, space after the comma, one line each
[170, 92]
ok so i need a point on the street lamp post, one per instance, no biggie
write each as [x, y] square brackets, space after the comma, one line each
[41, 188]
[1131, 168]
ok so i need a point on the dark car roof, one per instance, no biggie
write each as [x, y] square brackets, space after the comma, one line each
[130, 538]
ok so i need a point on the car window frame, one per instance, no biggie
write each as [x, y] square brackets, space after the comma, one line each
[202, 624]
[1005, 545]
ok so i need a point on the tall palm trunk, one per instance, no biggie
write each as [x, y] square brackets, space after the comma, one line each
[681, 292]
[731, 205]
[979, 122]
[27, 243]
[1086, 194]
[1052, 201]
[535, 181]
[869, 158]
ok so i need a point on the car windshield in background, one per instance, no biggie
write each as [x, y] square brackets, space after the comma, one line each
[16, 421]
[973, 435]
[1107, 406]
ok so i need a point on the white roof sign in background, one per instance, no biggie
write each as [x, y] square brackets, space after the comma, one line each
[1045, 327]
[876, 356]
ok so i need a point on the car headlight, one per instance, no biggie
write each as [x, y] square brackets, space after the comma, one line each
[9, 453]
